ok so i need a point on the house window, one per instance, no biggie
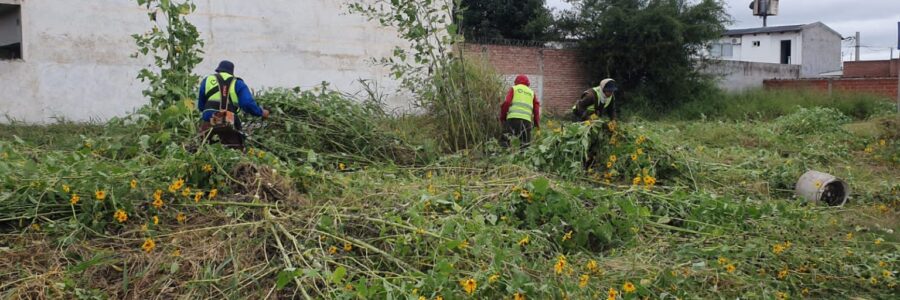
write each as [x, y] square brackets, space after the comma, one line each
[756, 43]
[721, 50]
[10, 31]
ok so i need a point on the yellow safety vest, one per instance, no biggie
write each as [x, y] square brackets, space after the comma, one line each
[212, 89]
[522, 104]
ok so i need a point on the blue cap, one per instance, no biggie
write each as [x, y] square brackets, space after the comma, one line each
[226, 67]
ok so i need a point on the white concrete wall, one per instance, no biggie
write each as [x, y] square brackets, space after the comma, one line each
[769, 50]
[736, 76]
[77, 65]
[821, 51]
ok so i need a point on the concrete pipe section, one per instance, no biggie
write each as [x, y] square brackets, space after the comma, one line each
[818, 187]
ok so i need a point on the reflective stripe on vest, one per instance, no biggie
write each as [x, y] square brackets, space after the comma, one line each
[213, 84]
[522, 104]
[600, 96]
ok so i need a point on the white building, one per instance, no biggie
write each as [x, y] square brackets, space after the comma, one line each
[815, 47]
[72, 59]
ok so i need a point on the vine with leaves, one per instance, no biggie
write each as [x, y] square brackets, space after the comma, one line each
[176, 48]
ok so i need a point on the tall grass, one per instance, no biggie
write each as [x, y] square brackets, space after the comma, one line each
[465, 104]
[770, 104]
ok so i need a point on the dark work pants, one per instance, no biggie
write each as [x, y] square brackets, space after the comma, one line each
[516, 128]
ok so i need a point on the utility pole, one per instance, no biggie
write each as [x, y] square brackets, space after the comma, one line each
[857, 46]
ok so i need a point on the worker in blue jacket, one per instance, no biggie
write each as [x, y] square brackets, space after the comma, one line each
[237, 97]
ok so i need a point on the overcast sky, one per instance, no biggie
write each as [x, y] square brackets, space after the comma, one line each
[876, 20]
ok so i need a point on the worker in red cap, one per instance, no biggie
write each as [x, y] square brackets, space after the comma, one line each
[520, 112]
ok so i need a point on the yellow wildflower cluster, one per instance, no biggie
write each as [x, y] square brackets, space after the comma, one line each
[177, 185]
[148, 245]
[612, 294]
[157, 199]
[567, 236]
[180, 218]
[121, 216]
[649, 182]
[560, 265]
[781, 247]
[469, 285]
[100, 195]
[74, 200]
[592, 266]
[213, 193]
[628, 287]
[641, 139]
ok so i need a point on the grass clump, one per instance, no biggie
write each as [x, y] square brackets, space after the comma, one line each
[771, 104]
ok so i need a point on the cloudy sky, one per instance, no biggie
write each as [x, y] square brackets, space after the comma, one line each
[876, 20]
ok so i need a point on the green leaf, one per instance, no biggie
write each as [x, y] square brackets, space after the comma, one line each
[541, 186]
[285, 277]
[338, 276]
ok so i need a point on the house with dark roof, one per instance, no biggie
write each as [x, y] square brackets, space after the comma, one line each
[815, 47]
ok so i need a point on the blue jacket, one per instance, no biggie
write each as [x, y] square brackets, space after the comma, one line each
[245, 100]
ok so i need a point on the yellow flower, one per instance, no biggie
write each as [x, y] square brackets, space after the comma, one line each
[557, 130]
[873, 281]
[805, 292]
[592, 266]
[342, 166]
[525, 194]
[36, 227]
[781, 296]
[636, 181]
[634, 157]
[457, 195]
[883, 209]
[730, 268]
[587, 123]
[641, 139]
[261, 154]
[524, 241]
[74, 200]
[213, 193]
[878, 241]
[469, 285]
[348, 247]
[560, 265]
[176, 253]
[422, 298]
[464, 244]
[133, 184]
[777, 249]
[612, 125]
[614, 141]
[121, 216]
[649, 181]
[332, 250]
[157, 194]
[158, 203]
[429, 175]
[148, 245]
[144, 227]
[66, 188]
[493, 278]
[180, 218]
[207, 168]
[198, 196]
[594, 117]
[612, 293]
[849, 236]
[818, 183]
[100, 195]
[155, 220]
[518, 296]
[887, 274]
[567, 236]
[722, 260]
[882, 264]
[628, 287]
[869, 149]
[882, 143]
[177, 185]
[609, 165]
[439, 297]
[583, 280]
[640, 151]
[613, 158]
[186, 192]
[782, 274]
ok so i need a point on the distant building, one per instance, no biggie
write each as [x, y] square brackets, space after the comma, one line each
[815, 47]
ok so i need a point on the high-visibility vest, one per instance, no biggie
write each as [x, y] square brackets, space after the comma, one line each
[600, 96]
[214, 95]
[522, 104]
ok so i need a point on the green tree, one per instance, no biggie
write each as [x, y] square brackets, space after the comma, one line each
[653, 48]
[506, 19]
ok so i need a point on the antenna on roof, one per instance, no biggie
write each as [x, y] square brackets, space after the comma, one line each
[764, 9]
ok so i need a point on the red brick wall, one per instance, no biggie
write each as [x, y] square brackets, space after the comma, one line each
[884, 86]
[872, 68]
[563, 77]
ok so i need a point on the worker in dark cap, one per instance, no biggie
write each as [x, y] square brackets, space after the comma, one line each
[597, 101]
[222, 95]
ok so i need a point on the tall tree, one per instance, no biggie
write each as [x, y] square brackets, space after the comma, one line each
[652, 47]
[506, 19]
